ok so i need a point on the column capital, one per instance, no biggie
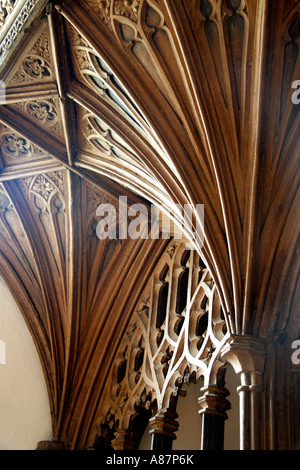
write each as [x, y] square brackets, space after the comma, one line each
[124, 440]
[245, 353]
[214, 401]
[164, 422]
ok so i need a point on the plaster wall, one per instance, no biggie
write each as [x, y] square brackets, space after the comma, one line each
[24, 406]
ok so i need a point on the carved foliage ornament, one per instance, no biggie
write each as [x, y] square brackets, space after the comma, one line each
[44, 186]
[105, 9]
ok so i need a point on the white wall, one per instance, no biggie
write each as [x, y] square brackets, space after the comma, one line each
[190, 422]
[24, 405]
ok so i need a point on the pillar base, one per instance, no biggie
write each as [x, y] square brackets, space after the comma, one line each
[50, 445]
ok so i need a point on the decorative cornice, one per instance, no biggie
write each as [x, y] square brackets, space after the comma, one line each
[15, 15]
[6, 9]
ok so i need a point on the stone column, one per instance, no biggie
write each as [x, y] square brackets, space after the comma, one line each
[214, 406]
[247, 356]
[163, 427]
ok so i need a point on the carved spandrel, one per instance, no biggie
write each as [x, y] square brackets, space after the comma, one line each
[43, 113]
[36, 63]
[17, 149]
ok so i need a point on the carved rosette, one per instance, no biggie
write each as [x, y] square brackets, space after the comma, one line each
[15, 146]
[36, 65]
[44, 113]
[17, 149]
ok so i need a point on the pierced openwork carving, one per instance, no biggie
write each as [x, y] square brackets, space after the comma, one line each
[97, 137]
[174, 338]
[95, 72]
[184, 101]
[7, 10]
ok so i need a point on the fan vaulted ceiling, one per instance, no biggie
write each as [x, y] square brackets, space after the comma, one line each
[162, 101]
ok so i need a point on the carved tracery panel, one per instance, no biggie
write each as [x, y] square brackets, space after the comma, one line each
[174, 337]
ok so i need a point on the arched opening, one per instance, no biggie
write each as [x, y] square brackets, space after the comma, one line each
[182, 291]
[182, 286]
[162, 305]
[163, 294]
[121, 371]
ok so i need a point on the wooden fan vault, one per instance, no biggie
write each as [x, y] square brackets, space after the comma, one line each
[164, 102]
